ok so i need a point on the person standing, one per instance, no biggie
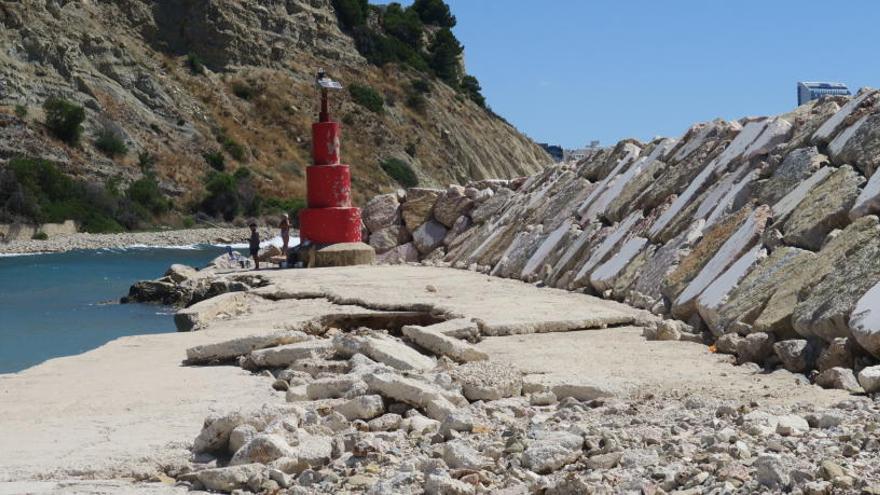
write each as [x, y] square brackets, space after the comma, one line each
[285, 232]
[254, 244]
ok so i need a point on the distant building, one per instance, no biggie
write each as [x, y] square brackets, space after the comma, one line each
[809, 91]
[577, 155]
[553, 150]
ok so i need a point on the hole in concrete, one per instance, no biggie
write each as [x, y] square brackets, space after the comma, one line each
[392, 321]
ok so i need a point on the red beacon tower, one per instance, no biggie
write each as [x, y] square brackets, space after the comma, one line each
[329, 217]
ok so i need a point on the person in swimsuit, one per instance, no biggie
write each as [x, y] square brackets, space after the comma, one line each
[285, 232]
[254, 244]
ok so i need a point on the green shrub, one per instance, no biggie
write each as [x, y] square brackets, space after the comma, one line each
[400, 171]
[351, 13]
[110, 141]
[216, 160]
[21, 111]
[410, 149]
[380, 50]
[64, 119]
[470, 86]
[222, 197]
[421, 86]
[146, 193]
[188, 222]
[434, 12]
[146, 162]
[367, 97]
[404, 25]
[40, 236]
[235, 149]
[417, 102]
[444, 60]
[244, 90]
[195, 64]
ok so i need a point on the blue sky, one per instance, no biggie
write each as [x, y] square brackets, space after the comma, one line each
[568, 71]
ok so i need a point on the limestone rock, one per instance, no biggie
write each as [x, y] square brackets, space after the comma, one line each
[859, 145]
[262, 449]
[869, 379]
[381, 212]
[240, 435]
[824, 209]
[719, 293]
[451, 205]
[214, 436]
[179, 273]
[405, 253]
[418, 206]
[460, 455]
[411, 391]
[826, 310]
[805, 272]
[436, 484]
[797, 355]
[868, 202]
[491, 206]
[551, 450]
[755, 348]
[733, 247]
[488, 380]
[365, 407]
[864, 322]
[388, 238]
[437, 343]
[838, 354]
[749, 297]
[227, 479]
[839, 378]
[792, 425]
[797, 167]
[336, 387]
[429, 236]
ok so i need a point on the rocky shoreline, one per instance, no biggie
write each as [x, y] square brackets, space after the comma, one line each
[168, 238]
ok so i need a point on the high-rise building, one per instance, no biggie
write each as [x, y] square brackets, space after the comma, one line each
[809, 91]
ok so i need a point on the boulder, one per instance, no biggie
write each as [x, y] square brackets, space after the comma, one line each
[488, 380]
[824, 209]
[838, 354]
[491, 206]
[380, 212]
[214, 436]
[364, 408]
[388, 238]
[825, 310]
[806, 271]
[864, 322]
[179, 273]
[839, 378]
[755, 348]
[429, 236]
[868, 202]
[746, 301]
[228, 479]
[732, 249]
[797, 355]
[163, 292]
[384, 350]
[437, 343]
[457, 454]
[792, 425]
[418, 206]
[461, 225]
[405, 253]
[728, 343]
[262, 449]
[437, 484]
[859, 145]
[718, 293]
[646, 289]
[869, 379]
[549, 451]
[451, 205]
[797, 167]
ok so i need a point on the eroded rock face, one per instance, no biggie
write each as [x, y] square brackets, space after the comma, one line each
[418, 206]
[451, 205]
[865, 321]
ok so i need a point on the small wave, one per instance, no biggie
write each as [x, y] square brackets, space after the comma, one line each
[12, 255]
[275, 241]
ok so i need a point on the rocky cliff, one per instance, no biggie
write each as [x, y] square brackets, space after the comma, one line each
[759, 235]
[178, 80]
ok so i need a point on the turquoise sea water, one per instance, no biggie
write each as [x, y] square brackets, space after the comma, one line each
[61, 304]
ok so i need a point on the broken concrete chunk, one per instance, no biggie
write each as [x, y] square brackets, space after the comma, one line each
[441, 345]
[488, 380]
[365, 407]
[230, 349]
[286, 355]
[198, 315]
[384, 350]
